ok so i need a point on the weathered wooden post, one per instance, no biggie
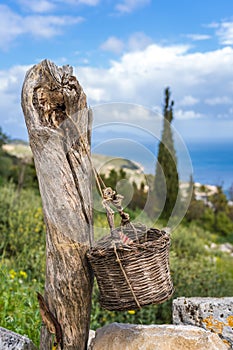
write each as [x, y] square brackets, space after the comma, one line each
[59, 123]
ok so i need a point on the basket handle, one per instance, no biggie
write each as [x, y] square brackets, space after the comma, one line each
[110, 197]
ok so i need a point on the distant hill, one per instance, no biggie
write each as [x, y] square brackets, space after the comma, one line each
[20, 150]
[18, 142]
[103, 164]
[134, 171]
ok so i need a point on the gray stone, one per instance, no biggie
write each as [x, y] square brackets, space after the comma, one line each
[117, 336]
[13, 341]
[214, 314]
[91, 336]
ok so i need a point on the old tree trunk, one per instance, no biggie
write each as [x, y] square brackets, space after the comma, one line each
[58, 123]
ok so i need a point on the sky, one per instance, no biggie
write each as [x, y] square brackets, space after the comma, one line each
[126, 51]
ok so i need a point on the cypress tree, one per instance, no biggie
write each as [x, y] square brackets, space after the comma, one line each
[166, 176]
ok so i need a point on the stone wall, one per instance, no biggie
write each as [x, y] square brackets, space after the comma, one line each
[214, 314]
[13, 341]
[198, 324]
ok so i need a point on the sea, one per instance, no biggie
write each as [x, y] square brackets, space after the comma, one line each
[211, 163]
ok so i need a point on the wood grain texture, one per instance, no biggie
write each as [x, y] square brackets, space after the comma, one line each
[58, 123]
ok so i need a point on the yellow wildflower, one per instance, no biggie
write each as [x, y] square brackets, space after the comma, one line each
[23, 274]
[131, 312]
[12, 274]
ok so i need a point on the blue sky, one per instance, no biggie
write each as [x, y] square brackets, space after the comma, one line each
[126, 51]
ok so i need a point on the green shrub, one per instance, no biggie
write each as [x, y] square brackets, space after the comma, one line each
[19, 310]
[224, 224]
[22, 262]
[22, 230]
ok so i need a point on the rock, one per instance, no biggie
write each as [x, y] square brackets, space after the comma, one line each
[226, 248]
[214, 314]
[13, 341]
[155, 337]
[91, 336]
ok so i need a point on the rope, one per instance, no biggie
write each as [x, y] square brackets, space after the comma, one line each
[110, 196]
[97, 175]
[107, 193]
[126, 278]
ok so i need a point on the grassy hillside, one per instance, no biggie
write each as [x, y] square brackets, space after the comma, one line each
[201, 262]
[104, 164]
[19, 150]
[198, 267]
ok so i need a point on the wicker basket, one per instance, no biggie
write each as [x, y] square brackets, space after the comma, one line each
[130, 276]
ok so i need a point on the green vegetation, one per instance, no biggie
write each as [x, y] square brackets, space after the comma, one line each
[22, 259]
[18, 168]
[214, 215]
[139, 195]
[196, 269]
[3, 138]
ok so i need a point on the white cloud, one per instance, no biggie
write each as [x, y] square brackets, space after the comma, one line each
[48, 26]
[190, 114]
[113, 44]
[97, 94]
[230, 111]
[89, 2]
[141, 76]
[198, 81]
[212, 25]
[138, 114]
[127, 6]
[223, 100]
[138, 41]
[198, 37]
[48, 5]
[225, 33]
[11, 118]
[11, 26]
[188, 101]
[84, 2]
[14, 25]
[39, 6]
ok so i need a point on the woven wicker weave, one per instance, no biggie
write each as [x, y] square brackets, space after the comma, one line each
[134, 275]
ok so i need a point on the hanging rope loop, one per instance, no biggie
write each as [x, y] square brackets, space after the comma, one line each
[109, 196]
